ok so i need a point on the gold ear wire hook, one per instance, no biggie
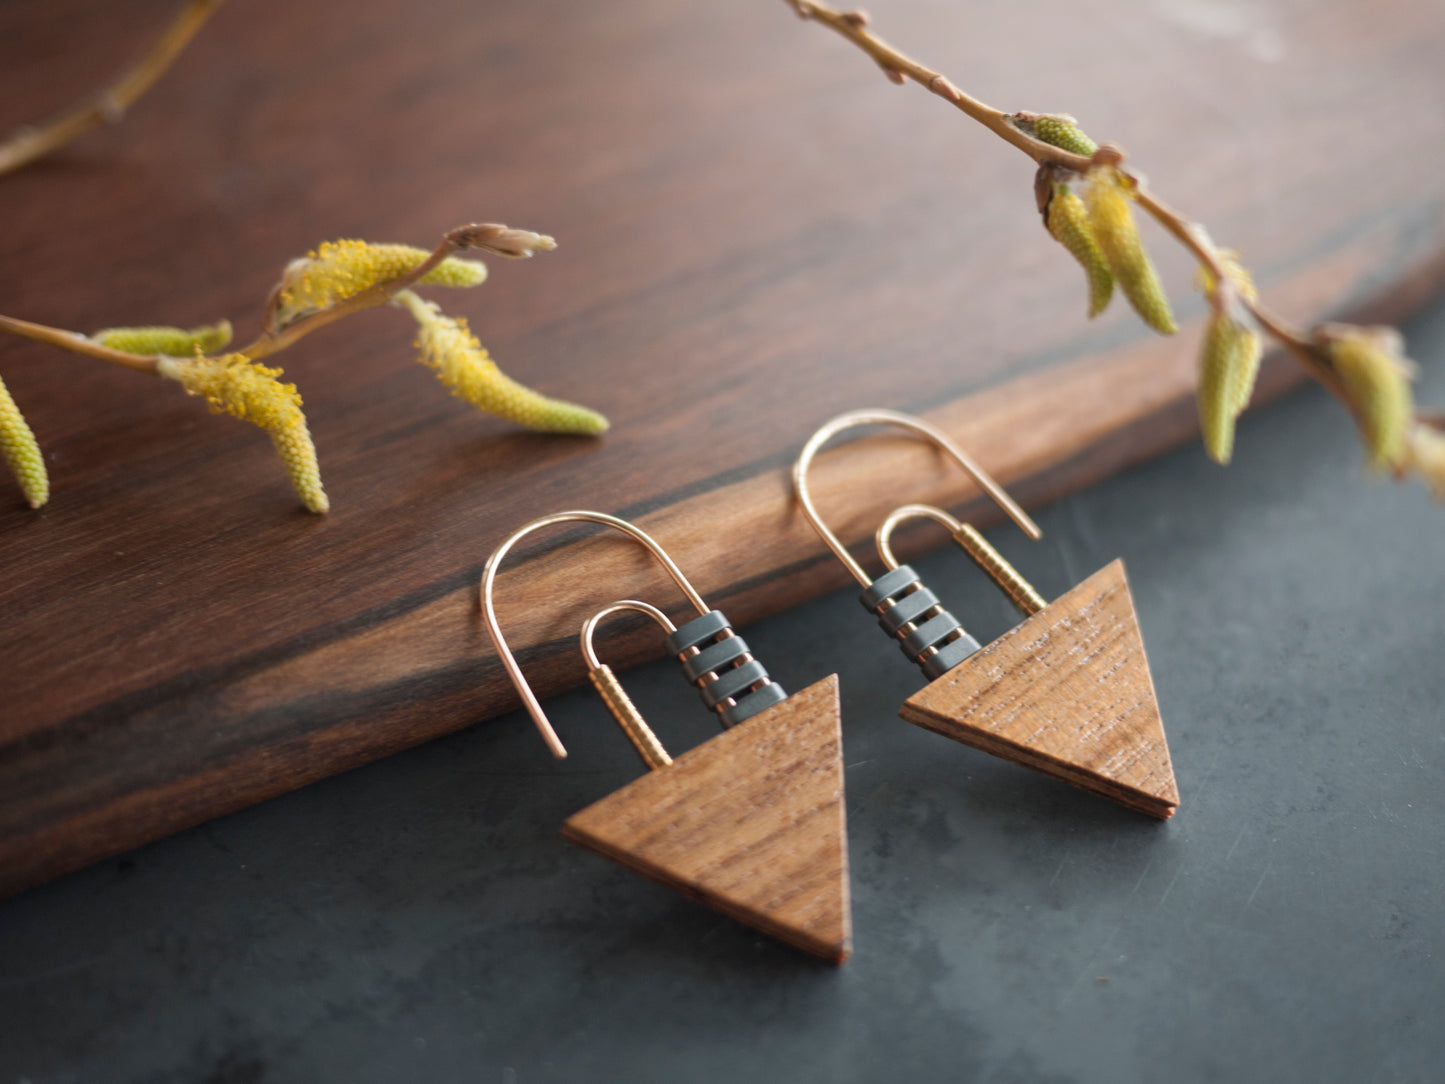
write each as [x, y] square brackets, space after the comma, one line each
[489, 575]
[855, 418]
[614, 695]
[589, 629]
[1020, 592]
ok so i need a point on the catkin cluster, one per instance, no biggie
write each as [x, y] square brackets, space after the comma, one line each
[1086, 199]
[337, 272]
[1098, 230]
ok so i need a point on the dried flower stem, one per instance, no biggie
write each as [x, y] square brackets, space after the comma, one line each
[110, 105]
[853, 25]
[488, 237]
[898, 67]
[76, 344]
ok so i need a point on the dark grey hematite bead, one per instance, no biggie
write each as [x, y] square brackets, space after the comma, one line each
[906, 609]
[910, 601]
[887, 586]
[719, 656]
[696, 631]
[732, 683]
[754, 702]
[714, 657]
[948, 656]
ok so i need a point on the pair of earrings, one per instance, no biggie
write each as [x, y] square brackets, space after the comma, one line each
[752, 821]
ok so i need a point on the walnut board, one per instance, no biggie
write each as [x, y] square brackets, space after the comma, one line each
[750, 822]
[756, 232]
[1068, 692]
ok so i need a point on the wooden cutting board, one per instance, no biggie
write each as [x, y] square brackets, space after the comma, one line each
[756, 232]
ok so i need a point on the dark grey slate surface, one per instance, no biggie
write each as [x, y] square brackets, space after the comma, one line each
[420, 919]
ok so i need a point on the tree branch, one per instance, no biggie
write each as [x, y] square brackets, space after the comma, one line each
[487, 236]
[110, 105]
[76, 344]
[898, 66]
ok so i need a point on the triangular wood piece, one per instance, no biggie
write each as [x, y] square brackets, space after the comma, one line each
[1067, 692]
[750, 822]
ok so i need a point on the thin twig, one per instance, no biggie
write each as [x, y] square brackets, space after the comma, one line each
[489, 237]
[1193, 237]
[110, 105]
[76, 344]
[898, 66]
[853, 25]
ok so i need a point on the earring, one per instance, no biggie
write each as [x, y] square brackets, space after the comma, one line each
[752, 821]
[1066, 692]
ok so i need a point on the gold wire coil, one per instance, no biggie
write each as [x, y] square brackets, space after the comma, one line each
[1020, 592]
[610, 688]
[628, 717]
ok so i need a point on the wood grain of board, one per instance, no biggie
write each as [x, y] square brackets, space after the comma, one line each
[756, 232]
[1067, 692]
[751, 823]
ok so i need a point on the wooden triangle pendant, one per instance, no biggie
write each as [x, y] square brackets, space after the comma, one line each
[751, 822]
[1067, 692]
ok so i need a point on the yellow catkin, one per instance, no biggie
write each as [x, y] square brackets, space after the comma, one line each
[1425, 455]
[1069, 225]
[449, 348]
[22, 452]
[240, 387]
[1377, 379]
[342, 269]
[1228, 365]
[1060, 130]
[1242, 383]
[1107, 198]
[172, 341]
[1241, 387]
[1229, 357]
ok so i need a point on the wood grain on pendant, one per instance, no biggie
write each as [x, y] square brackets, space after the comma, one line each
[751, 823]
[1067, 692]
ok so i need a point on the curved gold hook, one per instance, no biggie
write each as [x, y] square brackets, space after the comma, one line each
[884, 535]
[590, 653]
[489, 575]
[854, 418]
